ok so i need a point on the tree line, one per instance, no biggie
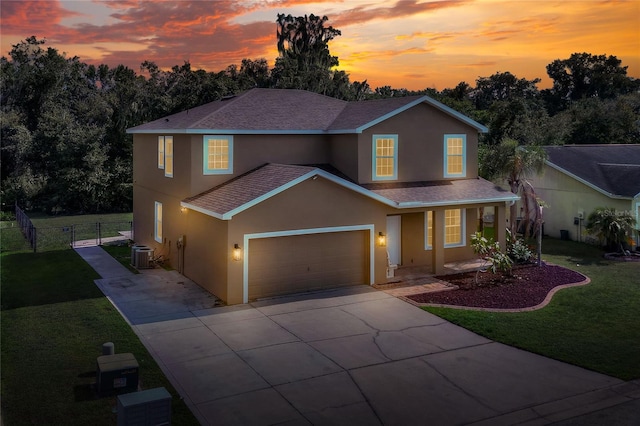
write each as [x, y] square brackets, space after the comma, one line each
[63, 121]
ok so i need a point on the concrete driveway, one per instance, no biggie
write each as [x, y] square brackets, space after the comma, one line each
[348, 356]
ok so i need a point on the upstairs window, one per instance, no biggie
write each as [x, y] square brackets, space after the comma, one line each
[385, 157]
[217, 155]
[455, 155]
[161, 152]
[168, 156]
[165, 154]
[157, 231]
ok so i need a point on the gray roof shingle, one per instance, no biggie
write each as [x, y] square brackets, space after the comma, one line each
[454, 192]
[614, 169]
[252, 187]
[287, 111]
[246, 188]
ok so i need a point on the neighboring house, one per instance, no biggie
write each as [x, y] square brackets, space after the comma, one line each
[579, 178]
[278, 191]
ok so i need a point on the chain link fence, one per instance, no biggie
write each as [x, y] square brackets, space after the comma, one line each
[24, 235]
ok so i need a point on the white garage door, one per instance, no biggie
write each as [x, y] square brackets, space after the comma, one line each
[282, 265]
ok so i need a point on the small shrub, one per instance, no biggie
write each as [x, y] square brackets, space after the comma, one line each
[519, 252]
[489, 251]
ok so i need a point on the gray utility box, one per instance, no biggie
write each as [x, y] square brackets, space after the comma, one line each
[117, 372]
[145, 408]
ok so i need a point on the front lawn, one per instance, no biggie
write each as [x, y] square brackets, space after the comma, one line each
[596, 326]
[54, 321]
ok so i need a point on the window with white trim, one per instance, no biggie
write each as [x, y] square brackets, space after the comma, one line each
[157, 229]
[385, 157]
[455, 155]
[454, 228]
[161, 152]
[168, 156]
[165, 154]
[217, 154]
[428, 230]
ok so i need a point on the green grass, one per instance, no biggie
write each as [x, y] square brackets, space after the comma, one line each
[57, 232]
[596, 326]
[54, 321]
[40, 219]
[121, 253]
[11, 238]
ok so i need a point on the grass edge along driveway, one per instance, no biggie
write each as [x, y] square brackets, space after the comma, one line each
[596, 326]
[54, 321]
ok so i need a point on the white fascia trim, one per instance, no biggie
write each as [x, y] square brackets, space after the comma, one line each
[292, 232]
[227, 132]
[481, 128]
[317, 172]
[432, 102]
[389, 115]
[589, 184]
[229, 215]
[200, 210]
[414, 204]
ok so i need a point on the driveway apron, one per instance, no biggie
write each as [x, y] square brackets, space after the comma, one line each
[347, 356]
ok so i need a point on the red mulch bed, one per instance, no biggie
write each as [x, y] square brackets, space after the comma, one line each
[528, 286]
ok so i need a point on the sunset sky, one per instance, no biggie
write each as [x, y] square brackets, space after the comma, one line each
[414, 44]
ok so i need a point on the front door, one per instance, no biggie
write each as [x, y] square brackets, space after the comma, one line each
[394, 231]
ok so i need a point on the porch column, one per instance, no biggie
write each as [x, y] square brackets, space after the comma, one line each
[500, 225]
[437, 242]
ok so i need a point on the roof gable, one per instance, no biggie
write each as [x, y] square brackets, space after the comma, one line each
[613, 170]
[245, 191]
[288, 111]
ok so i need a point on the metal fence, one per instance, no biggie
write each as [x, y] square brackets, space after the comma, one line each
[59, 237]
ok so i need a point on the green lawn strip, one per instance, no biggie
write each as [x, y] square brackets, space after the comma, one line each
[121, 253]
[596, 326]
[49, 350]
[11, 238]
[57, 232]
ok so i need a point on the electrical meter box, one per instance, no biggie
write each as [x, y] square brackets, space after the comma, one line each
[117, 372]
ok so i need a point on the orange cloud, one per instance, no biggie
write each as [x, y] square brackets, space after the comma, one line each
[406, 43]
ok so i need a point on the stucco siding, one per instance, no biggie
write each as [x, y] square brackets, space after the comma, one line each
[251, 151]
[207, 254]
[173, 222]
[420, 131]
[344, 154]
[564, 197]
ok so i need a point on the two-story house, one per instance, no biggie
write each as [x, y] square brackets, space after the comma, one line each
[279, 191]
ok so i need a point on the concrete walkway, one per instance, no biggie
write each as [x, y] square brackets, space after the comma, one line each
[349, 356]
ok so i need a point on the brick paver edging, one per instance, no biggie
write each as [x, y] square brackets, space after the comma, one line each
[541, 305]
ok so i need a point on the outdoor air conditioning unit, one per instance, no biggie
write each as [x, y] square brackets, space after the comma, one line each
[134, 250]
[143, 258]
[148, 407]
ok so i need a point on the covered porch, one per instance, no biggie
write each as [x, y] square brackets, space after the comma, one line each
[432, 222]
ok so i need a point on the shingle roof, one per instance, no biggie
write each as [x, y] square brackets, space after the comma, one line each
[454, 192]
[249, 189]
[246, 188]
[288, 111]
[613, 169]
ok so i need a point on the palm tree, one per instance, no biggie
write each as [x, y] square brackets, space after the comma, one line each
[611, 226]
[513, 162]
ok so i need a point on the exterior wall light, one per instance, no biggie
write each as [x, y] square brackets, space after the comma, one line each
[237, 252]
[382, 239]
[183, 209]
